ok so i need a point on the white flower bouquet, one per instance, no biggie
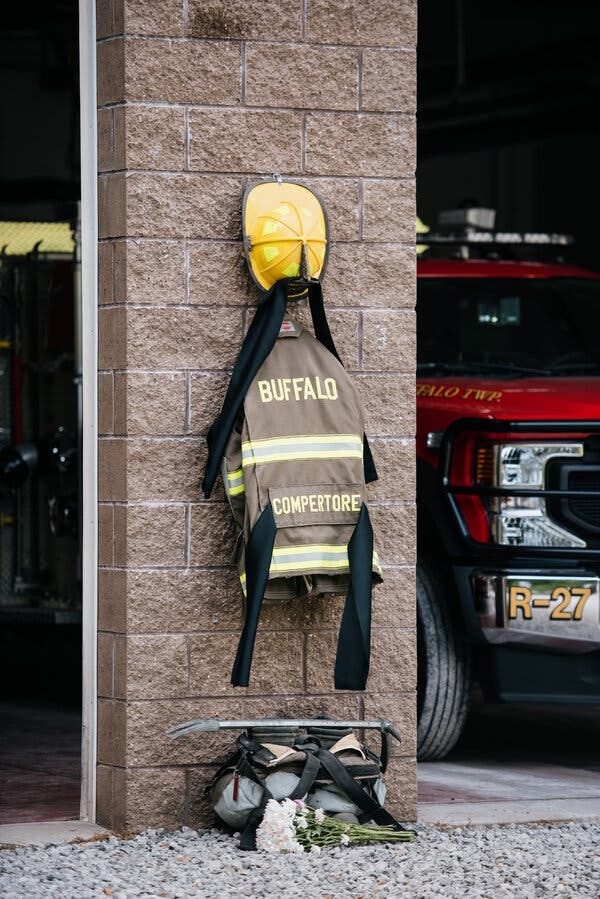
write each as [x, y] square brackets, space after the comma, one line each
[292, 826]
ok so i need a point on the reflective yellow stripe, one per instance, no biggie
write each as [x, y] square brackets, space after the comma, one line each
[235, 482]
[333, 557]
[307, 446]
[309, 565]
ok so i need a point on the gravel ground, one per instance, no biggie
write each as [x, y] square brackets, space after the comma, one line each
[467, 862]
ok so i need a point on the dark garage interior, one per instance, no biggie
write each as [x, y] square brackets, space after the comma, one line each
[506, 113]
[40, 559]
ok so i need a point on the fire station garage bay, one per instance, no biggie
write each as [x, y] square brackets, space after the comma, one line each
[508, 293]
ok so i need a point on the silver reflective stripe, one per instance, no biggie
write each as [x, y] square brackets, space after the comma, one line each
[310, 553]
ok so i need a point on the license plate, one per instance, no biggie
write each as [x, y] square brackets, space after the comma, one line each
[558, 606]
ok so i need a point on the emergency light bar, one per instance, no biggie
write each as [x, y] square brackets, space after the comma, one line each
[489, 238]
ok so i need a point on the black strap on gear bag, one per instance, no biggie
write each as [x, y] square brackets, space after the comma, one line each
[315, 766]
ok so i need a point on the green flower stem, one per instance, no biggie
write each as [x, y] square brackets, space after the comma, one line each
[330, 831]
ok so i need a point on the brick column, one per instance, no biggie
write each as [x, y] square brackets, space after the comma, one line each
[196, 98]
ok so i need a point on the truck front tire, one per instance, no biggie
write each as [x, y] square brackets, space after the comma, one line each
[443, 670]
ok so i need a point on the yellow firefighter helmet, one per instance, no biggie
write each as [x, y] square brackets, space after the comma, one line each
[285, 232]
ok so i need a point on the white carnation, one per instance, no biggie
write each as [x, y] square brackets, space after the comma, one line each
[276, 830]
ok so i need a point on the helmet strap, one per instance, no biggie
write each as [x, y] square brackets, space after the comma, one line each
[304, 263]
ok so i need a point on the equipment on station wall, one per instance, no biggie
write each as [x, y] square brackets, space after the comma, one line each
[290, 440]
[39, 421]
[285, 232]
[57, 456]
[16, 464]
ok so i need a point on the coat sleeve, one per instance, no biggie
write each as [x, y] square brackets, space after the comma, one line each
[233, 475]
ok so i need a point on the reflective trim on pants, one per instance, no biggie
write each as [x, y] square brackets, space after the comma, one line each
[310, 558]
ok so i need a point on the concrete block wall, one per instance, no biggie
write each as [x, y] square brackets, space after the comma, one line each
[195, 99]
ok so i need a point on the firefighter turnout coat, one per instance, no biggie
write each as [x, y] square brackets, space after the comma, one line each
[294, 473]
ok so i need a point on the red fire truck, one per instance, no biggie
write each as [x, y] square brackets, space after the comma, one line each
[508, 479]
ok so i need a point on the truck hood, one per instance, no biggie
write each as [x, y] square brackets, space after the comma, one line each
[557, 399]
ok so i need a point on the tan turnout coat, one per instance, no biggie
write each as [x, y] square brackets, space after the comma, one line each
[298, 445]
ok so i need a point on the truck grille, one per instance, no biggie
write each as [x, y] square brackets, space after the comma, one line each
[583, 511]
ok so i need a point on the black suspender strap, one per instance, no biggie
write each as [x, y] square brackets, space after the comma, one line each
[323, 334]
[368, 463]
[259, 551]
[257, 345]
[354, 640]
[319, 319]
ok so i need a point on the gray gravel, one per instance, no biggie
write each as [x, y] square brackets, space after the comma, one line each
[523, 861]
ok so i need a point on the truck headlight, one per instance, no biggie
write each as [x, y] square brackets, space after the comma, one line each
[522, 520]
